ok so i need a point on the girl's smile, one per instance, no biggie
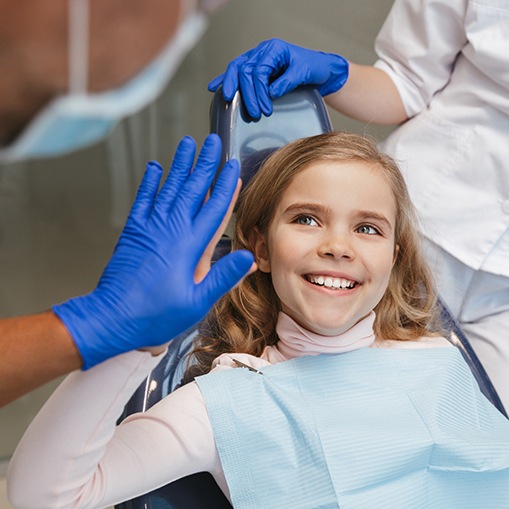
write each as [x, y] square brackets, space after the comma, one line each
[330, 245]
[331, 281]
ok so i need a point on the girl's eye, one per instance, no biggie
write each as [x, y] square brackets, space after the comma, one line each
[306, 221]
[367, 229]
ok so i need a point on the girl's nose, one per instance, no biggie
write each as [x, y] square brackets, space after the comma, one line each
[336, 246]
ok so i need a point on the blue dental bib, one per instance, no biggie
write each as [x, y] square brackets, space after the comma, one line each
[373, 428]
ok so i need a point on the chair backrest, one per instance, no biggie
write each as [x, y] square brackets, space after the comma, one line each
[296, 115]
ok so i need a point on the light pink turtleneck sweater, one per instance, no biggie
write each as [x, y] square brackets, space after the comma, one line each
[73, 455]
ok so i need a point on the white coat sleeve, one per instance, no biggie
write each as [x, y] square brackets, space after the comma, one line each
[418, 45]
[73, 454]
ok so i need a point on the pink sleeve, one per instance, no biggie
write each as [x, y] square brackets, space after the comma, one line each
[74, 455]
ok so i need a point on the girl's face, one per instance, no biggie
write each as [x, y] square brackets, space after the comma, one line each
[330, 246]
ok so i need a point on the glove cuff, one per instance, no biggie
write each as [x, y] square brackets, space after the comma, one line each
[339, 69]
[81, 318]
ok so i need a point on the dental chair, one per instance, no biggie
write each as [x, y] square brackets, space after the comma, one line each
[296, 115]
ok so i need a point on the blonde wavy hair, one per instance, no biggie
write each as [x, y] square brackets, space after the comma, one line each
[244, 320]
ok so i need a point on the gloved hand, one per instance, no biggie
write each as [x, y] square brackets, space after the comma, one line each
[147, 294]
[291, 66]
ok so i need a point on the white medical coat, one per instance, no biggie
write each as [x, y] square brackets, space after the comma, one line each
[449, 60]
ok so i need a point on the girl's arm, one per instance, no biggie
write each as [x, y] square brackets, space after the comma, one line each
[73, 455]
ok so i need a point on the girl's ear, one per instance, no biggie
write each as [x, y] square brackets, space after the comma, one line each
[261, 252]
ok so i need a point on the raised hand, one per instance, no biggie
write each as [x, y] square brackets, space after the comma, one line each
[147, 294]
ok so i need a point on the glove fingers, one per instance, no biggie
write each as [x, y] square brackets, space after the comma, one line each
[223, 276]
[284, 84]
[178, 175]
[290, 60]
[260, 81]
[248, 92]
[272, 59]
[253, 84]
[193, 194]
[231, 77]
[216, 207]
[216, 83]
[147, 192]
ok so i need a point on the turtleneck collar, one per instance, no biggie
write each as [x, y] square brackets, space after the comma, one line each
[295, 341]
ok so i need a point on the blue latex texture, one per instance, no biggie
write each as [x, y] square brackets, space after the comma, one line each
[274, 68]
[147, 293]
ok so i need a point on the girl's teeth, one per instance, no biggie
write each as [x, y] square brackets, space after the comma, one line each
[331, 282]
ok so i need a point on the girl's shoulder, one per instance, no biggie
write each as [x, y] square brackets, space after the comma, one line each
[422, 342]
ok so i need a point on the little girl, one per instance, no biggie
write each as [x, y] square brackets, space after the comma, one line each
[342, 395]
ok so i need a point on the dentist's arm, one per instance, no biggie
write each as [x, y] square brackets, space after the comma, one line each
[35, 349]
[369, 95]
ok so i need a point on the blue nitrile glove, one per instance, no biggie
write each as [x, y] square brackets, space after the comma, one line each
[291, 66]
[147, 294]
